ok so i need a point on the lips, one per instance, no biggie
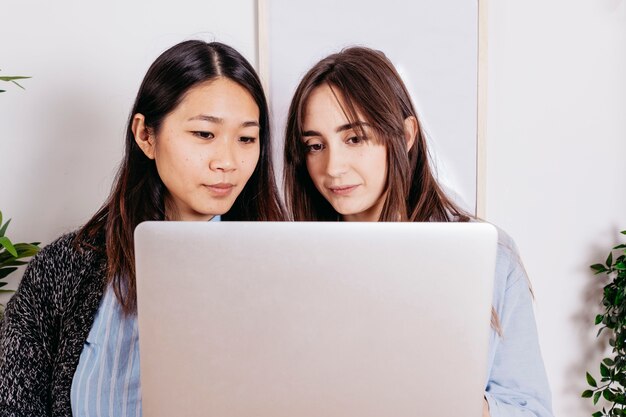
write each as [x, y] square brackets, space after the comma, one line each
[342, 189]
[220, 189]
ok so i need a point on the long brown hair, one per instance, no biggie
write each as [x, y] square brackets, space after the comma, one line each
[370, 85]
[138, 193]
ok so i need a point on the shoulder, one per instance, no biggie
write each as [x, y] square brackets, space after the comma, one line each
[65, 249]
[58, 268]
[510, 271]
[509, 267]
[507, 247]
[66, 253]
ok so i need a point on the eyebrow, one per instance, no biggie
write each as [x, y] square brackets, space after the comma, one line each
[341, 128]
[219, 120]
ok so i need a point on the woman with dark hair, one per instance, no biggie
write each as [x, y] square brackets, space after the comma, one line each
[355, 151]
[197, 148]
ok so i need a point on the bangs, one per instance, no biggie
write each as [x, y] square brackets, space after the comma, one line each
[357, 114]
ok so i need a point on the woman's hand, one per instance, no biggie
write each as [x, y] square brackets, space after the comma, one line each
[485, 408]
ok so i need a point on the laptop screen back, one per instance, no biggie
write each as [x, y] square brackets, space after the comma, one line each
[314, 319]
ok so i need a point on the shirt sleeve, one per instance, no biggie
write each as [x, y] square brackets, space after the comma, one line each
[517, 385]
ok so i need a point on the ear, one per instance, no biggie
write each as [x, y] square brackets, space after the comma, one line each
[410, 131]
[143, 135]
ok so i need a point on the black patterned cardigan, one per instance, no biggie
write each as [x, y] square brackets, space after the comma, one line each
[45, 327]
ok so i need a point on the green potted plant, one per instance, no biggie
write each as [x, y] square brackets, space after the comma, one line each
[612, 385]
[12, 255]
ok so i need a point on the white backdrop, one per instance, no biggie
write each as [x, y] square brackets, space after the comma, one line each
[432, 43]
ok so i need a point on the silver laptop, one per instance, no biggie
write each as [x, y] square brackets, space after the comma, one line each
[314, 319]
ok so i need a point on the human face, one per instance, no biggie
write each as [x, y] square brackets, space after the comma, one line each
[206, 149]
[348, 170]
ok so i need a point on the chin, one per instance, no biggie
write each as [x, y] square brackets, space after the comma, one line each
[218, 209]
[345, 212]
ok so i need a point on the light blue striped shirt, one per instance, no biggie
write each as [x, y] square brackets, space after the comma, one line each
[106, 381]
[517, 384]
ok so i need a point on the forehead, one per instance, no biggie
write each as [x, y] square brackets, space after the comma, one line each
[221, 98]
[327, 106]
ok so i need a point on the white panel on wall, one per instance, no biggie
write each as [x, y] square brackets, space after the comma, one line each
[432, 43]
[556, 141]
[62, 138]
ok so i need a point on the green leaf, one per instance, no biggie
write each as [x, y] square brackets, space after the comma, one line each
[591, 381]
[623, 232]
[596, 397]
[608, 395]
[3, 91]
[619, 298]
[6, 271]
[620, 266]
[599, 318]
[4, 241]
[13, 78]
[7, 291]
[609, 260]
[598, 268]
[2, 284]
[621, 246]
[12, 262]
[3, 230]
[609, 362]
[24, 250]
[620, 399]
[587, 394]
[604, 371]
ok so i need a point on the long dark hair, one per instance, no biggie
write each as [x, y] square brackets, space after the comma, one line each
[138, 193]
[369, 84]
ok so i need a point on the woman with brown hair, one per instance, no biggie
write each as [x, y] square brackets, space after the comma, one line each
[355, 151]
[197, 148]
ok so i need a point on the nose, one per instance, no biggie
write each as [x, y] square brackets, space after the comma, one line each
[337, 163]
[223, 156]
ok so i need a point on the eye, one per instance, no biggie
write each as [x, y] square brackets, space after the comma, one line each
[355, 140]
[247, 139]
[314, 147]
[203, 134]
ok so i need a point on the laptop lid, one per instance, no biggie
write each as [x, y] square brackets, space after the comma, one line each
[314, 319]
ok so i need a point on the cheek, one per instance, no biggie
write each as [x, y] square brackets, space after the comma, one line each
[378, 164]
[315, 166]
[248, 160]
[179, 164]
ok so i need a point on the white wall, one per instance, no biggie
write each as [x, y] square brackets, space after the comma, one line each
[556, 164]
[62, 138]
